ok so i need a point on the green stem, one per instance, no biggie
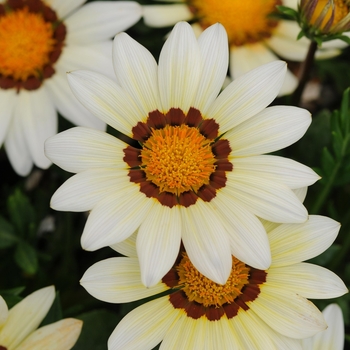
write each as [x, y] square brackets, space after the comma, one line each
[304, 73]
[341, 254]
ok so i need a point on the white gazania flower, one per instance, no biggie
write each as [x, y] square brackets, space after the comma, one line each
[197, 172]
[255, 309]
[18, 326]
[39, 42]
[255, 36]
[333, 337]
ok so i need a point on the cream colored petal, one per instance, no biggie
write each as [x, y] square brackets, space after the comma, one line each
[127, 247]
[287, 312]
[180, 68]
[265, 198]
[248, 239]
[247, 57]
[333, 337]
[105, 99]
[84, 190]
[165, 15]
[56, 336]
[8, 99]
[300, 193]
[16, 146]
[136, 70]
[26, 316]
[279, 169]
[116, 217]
[118, 280]
[206, 241]
[248, 95]
[213, 46]
[3, 311]
[79, 149]
[270, 130]
[310, 281]
[293, 243]
[145, 326]
[64, 7]
[101, 20]
[67, 104]
[158, 243]
[253, 333]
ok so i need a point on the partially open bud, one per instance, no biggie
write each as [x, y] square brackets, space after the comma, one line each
[325, 16]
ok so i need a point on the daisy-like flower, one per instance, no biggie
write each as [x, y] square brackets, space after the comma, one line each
[18, 326]
[333, 337]
[39, 42]
[197, 174]
[255, 309]
[255, 36]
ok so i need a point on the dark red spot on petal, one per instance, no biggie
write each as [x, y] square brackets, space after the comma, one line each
[175, 116]
[32, 83]
[193, 117]
[171, 279]
[60, 32]
[48, 71]
[187, 199]
[207, 193]
[168, 199]
[149, 189]
[7, 82]
[209, 128]
[156, 120]
[231, 310]
[49, 14]
[223, 165]
[132, 156]
[218, 179]
[137, 176]
[141, 132]
[221, 149]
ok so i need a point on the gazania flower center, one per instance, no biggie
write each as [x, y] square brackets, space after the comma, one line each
[206, 292]
[245, 21]
[25, 43]
[177, 159]
[341, 9]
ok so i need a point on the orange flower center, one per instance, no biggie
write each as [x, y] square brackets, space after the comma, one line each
[341, 10]
[246, 21]
[26, 41]
[177, 159]
[206, 292]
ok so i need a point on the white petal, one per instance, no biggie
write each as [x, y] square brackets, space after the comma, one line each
[333, 337]
[206, 241]
[105, 99]
[180, 68]
[247, 57]
[293, 243]
[64, 7]
[59, 335]
[39, 121]
[165, 15]
[80, 149]
[100, 20]
[144, 327]
[127, 247]
[214, 50]
[116, 217]
[248, 239]
[16, 146]
[118, 280]
[270, 130]
[8, 99]
[26, 316]
[67, 104]
[136, 70]
[287, 312]
[3, 311]
[265, 198]
[84, 190]
[248, 95]
[158, 243]
[279, 169]
[310, 281]
[300, 193]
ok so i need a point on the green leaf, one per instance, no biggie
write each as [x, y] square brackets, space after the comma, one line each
[291, 13]
[344, 111]
[21, 212]
[337, 144]
[26, 258]
[97, 327]
[328, 162]
[7, 234]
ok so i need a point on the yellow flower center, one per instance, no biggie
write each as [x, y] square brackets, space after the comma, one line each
[341, 9]
[177, 159]
[206, 292]
[25, 43]
[246, 21]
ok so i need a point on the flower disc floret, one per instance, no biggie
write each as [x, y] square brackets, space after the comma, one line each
[177, 159]
[236, 16]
